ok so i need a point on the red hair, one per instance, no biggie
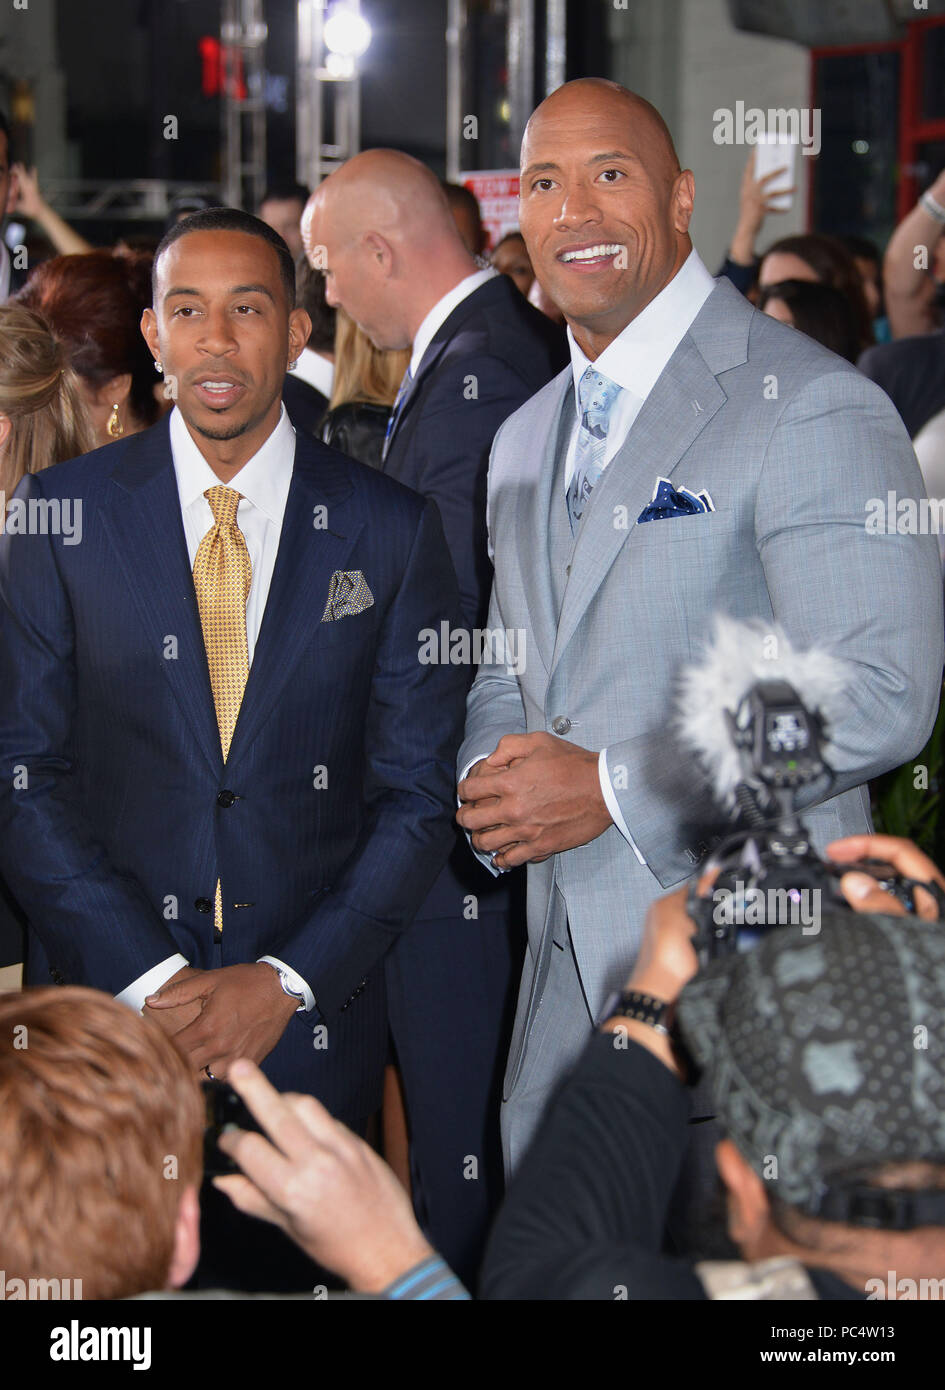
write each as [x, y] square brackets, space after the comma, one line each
[93, 303]
[101, 1131]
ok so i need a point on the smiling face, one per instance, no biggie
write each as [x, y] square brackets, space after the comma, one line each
[222, 327]
[604, 210]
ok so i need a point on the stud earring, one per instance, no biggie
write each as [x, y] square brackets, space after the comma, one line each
[115, 428]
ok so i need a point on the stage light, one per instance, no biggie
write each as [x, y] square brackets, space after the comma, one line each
[346, 32]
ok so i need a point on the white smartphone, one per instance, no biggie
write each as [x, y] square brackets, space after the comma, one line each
[775, 152]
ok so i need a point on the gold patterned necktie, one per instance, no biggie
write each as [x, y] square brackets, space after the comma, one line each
[223, 574]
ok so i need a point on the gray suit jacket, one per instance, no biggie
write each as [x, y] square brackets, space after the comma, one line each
[790, 442]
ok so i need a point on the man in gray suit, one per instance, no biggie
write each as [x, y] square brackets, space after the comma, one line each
[765, 450]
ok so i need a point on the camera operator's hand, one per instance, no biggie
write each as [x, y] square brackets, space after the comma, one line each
[322, 1185]
[862, 892]
[666, 963]
[667, 959]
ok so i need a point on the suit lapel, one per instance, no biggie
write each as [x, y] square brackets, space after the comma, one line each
[308, 555]
[473, 303]
[679, 407]
[145, 527]
[533, 502]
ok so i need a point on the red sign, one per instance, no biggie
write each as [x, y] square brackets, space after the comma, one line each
[213, 79]
[496, 191]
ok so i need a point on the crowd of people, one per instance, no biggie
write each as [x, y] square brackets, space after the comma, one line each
[335, 763]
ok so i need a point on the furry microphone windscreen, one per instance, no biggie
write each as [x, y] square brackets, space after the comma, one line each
[738, 655]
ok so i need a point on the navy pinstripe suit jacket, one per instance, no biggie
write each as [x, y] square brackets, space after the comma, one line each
[341, 762]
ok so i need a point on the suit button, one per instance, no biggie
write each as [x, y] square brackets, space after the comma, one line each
[561, 724]
[204, 904]
[226, 799]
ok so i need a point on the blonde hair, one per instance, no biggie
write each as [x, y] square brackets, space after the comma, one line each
[362, 371]
[40, 396]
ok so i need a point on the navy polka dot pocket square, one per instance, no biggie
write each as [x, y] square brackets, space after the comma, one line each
[348, 593]
[668, 501]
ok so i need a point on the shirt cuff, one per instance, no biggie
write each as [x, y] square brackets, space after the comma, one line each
[150, 982]
[485, 859]
[430, 1279]
[294, 981]
[613, 805]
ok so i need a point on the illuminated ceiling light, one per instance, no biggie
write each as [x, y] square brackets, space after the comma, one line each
[346, 32]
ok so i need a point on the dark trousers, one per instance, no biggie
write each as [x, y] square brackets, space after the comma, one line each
[450, 997]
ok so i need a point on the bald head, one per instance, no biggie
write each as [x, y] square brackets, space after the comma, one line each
[381, 230]
[387, 192]
[604, 206]
[595, 96]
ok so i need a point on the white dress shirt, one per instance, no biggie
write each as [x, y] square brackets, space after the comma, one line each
[441, 311]
[635, 360]
[263, 483]
[315, 370]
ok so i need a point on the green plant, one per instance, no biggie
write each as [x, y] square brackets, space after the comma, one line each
[907, 800]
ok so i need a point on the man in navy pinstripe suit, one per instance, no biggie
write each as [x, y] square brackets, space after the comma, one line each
[329, 818]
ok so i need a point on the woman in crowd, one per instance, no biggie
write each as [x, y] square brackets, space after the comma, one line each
[364, 388]
[510, 257]
[42, 421]
[93, 303]
[820, 311]
[824, 259]
[42, 415]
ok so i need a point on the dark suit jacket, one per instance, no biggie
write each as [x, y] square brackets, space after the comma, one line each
[305, 404]
[112, 834]
[493, 352]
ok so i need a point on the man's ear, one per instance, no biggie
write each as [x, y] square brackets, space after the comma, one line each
[684, 196]
[379, 251]
[149, 331]
[6, 425]
[300, 330]
[749, 1212]
[186, 1240]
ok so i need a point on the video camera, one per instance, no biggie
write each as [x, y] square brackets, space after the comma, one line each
[769, 874]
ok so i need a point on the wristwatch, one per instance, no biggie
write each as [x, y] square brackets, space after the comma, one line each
[287, 988]
[644, 1008]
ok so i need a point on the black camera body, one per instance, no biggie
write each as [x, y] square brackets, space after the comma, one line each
[769, 875]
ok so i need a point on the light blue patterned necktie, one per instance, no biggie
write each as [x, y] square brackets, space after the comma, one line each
[402, 390]
[597, 395]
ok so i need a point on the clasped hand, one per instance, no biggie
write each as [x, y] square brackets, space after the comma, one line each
[534, 796]
[216, 1016]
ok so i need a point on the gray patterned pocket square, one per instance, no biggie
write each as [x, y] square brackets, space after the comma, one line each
[348, 593]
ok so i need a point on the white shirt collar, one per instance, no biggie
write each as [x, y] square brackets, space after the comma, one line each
[441, 312]
[637, 356]
[314, 369]
[263, 480]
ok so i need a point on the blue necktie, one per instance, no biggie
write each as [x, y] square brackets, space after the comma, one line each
[597, 395]
[402, 390]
